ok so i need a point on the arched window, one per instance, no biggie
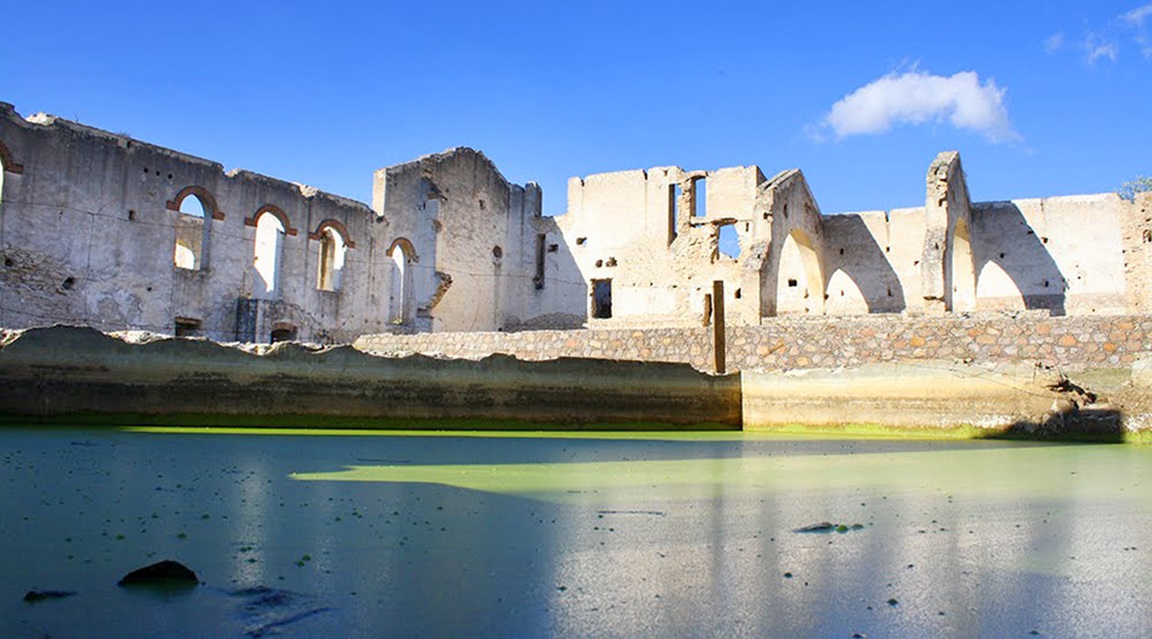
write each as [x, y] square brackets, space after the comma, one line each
[334, 243]
[190, 227]
[266, 262]
[402, 254]
[195, 208]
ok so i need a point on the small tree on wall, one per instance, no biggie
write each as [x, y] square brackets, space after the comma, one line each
[1129, 190]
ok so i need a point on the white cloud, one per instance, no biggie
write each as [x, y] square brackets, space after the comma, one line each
[1098, 47]
[1054, 43]
[1137, 16]
[916, 98]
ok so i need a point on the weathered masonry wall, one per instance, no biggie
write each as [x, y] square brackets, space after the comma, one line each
[101, 230]
[480, 255]
[96, 228]
[1071, 343]
[651, 240]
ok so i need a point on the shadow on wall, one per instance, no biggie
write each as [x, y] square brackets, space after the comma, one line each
[1089, 425]
[865, 263]
[556, 297]
[1002, 236]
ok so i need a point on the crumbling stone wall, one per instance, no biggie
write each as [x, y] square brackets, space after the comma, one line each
[483, 258]
[93, 230]
[90, 223]
[1071, 343]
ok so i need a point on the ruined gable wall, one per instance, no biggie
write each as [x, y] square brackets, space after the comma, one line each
[88, 236]
[630, 227]
[790, 249]
[476, 237]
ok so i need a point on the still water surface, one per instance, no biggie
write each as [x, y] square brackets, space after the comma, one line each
[567, 535]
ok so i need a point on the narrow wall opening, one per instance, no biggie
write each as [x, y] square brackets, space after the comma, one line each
[266, 261]
[700, 197]
[674, 192]
[601, 299]
[191, 222]
[541, 246]
[400, 291]
[333, 249]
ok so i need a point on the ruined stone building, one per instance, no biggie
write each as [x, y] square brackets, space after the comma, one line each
[100, 229]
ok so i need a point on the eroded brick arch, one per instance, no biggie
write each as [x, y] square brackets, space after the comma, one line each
[205, 196]
[10, 164]
[406, 246]
[335, 225]
[276, 212]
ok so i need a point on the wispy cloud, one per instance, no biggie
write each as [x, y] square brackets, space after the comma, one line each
[1106, 43]
[1137, 16]
[1098, 47]
[915, 97]
[1135, 19]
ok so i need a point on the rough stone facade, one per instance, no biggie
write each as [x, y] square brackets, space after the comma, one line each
[103, 230]
[1068, 343]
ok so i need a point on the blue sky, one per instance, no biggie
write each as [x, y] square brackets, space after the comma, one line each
[1041, 98]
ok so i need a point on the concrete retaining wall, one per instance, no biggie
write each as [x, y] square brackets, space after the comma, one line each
[63, 371]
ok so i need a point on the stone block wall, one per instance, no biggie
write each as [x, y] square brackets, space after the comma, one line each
[1071, 343]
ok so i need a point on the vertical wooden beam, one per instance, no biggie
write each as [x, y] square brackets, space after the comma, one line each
[718, 344]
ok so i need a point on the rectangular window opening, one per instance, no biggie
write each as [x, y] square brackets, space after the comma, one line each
[541, 246]
[700, 197]
[187, 327]
[673, 210]
[601, 299]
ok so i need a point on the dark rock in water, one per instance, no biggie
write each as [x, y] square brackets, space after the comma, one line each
[827, 527]
[163, 574]
[823, 526]
[34, 596]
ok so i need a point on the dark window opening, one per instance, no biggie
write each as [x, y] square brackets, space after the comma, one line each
[497, 252]
[700, 197]
[737, 294]
[541, 243]
[581, 241]
[792, 283]
[187, 327]
[601, 299]
[283, 334]
[673, 210]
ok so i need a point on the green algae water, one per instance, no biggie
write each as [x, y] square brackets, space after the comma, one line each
[517, 534]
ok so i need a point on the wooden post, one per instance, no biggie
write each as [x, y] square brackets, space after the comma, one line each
[718, 345]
